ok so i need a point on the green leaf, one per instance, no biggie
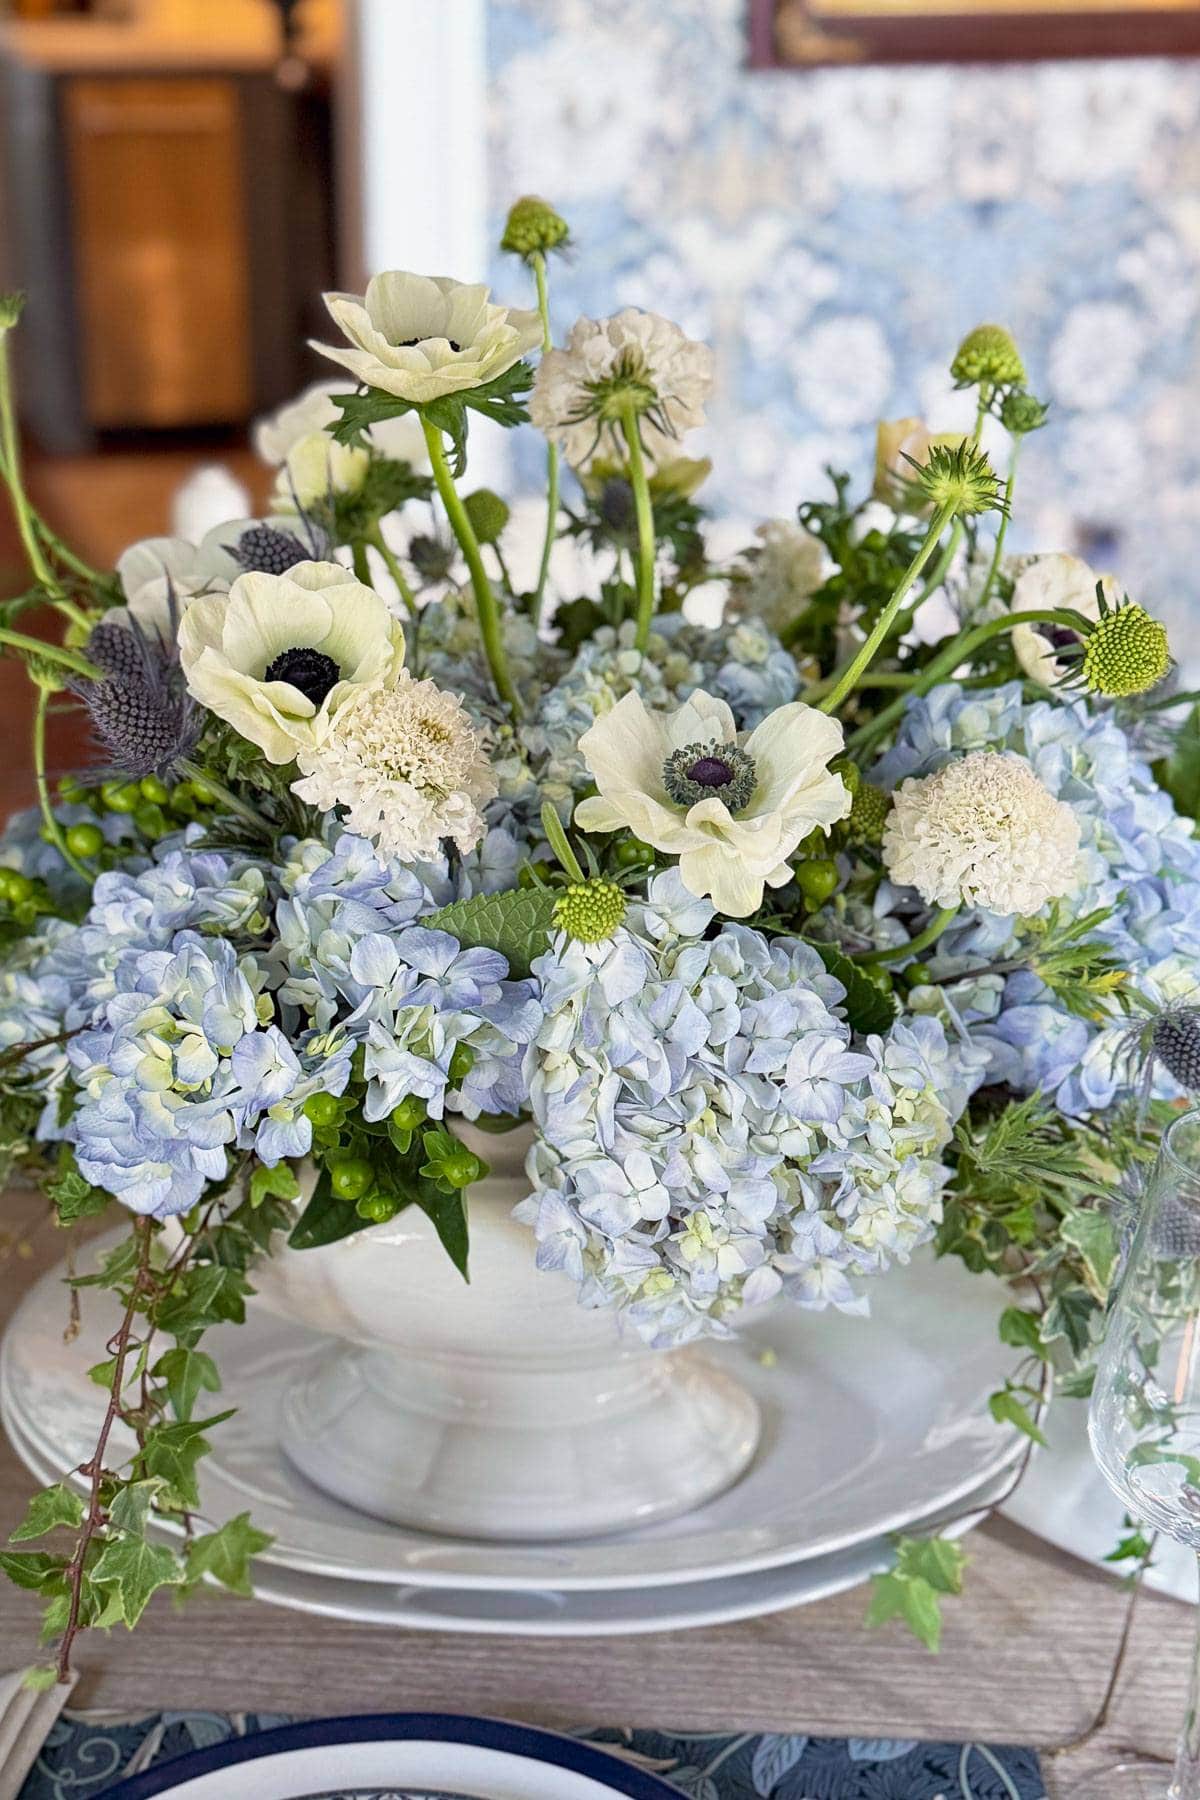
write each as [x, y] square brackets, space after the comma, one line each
[1022, 1330]
[1071, 1315]
[1078, 1383]
[225, 1555]
[186, 1373]
[519, 923]
[1092, 1234]
[132, 1504]
[448, 1215]
[73, 1195]
[133, 1570]
[325, 1219]
[939, 1561]
[208, 1294]
[361, 411]
[53, 1507]
[115, 1269]
[913, 1600]
[1006, 1409]
[38, 1570]
[41, 1679]
[1179, 773]
[1135, 1546]
[172, 1452]
[280, 1182]
[868, 1008]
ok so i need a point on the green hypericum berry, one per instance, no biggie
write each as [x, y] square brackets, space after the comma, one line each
[960, 476]
[351, 1177]
[988, 354]
[590, 910]
[409, 1114]
[84, 840]
[1125, 653]
[817, 879]
[533, 225]
[377, 1208]
[15, 887]
[488, 514]
[322, 1110]
[631, 853]
[460, 1168]
[1022, 412]
[461, 1062]
[71, 792]
[120, 796]
[864, 824]
[154, 790]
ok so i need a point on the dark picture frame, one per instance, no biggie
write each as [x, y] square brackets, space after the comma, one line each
[850, 33]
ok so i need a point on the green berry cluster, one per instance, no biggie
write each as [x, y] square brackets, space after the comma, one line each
[864, 823]
[988, 356]
[1125, 653]
[154, 808]
[590, 910]
[23, 900]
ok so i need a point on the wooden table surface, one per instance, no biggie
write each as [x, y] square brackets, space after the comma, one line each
[1025, 1656]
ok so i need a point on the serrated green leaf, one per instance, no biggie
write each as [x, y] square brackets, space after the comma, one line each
[53, 1507]
[1007, 1409]
[115, 1269]
[519, 923]
[133, 1570]
[173, 1451]
[132, 1504]
[869, 1009]
[225, 1555]
[1092, 1234]
[208, 1294]
[938, 1561]
[279, 1183]
[361, 411]
[74, 1196]
[1022, 1330]
[186, 1374]
[1071, 1315]
[41, 1679]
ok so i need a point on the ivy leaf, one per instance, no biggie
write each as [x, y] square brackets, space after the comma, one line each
[937, 1560]
[1071, 1315]
[186, 1373]
[225, 1555]
[41, 1679]
[1092, 1234]
[133, 1570]
[73, 1195]
[1077, 1384]
[279, 1182]
[911, 1599]
[519, 923]
[133, 1503]
[1135, 1546]
[38, 1570]
[325, 1219]
[116, 1268]
[172, 1452]
[1022, 1330]
[53, 1507]
[868, 1008]
[1007, 1409]
[1179, 773]
[209, 1294]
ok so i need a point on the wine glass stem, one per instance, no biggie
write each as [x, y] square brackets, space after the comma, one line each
[1186, 1782]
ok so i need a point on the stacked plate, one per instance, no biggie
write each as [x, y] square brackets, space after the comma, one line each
[871, 1426]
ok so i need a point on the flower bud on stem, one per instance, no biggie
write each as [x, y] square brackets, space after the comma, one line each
[644, 514]
[538, 263]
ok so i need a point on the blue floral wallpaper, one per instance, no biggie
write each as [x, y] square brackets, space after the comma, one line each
[834, 233]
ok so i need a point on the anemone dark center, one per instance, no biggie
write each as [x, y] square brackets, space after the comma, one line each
[710, 771]
[699, 772]
[1060, 637]
[311, 671]
[411, 343]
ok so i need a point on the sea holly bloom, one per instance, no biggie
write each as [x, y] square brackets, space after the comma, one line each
[733, 811]
[633, 362]
[421, 337]
[282, 655]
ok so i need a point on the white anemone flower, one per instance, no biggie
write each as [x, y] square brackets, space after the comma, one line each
[639, 357]
[732, 810]
[420, 337]
[156, 570]
[409, 766]
[1048, 583]
[284, 653]
[982, 831]
[296, 440]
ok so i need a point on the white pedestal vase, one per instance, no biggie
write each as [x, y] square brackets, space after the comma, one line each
[500, 1409]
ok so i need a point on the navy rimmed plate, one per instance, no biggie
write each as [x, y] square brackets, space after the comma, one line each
[396, 1756]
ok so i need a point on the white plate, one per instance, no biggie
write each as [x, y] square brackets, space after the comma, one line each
[869, 1424]
[1065, 1499]
[401, 1756]
[619, 1612]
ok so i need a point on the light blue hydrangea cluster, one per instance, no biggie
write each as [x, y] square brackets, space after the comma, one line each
[1138, 857]
[708, 1135]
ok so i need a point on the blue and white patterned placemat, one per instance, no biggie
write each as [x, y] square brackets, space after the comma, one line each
[83, 1758]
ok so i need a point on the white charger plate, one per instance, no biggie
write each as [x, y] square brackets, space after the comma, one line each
[869, 1425]
[607, 1612]
[401, 1756]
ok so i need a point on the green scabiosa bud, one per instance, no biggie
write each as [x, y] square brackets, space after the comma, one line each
[1022, 412]
[532, 226]
[1125, 653]
[590, 910]
[959, 476]
[988, 355]
[864, 823]
[488, 514]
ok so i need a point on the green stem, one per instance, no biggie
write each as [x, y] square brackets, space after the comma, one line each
[848, 677]
[958, 651]
[391, 563]
[552, 458]
[362, 566]
[559, 842]
[922, 941]
[1002, 533]
[241, 808]
[485, 600]
[64, 552]
[55, 653]
[941, 567]
[981, 411]
[645, 527]
[43, 787]
[10, 452]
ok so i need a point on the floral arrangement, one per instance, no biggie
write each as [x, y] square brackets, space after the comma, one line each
[862, 919]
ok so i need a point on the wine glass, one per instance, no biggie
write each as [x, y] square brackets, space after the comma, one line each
[1144, 1422]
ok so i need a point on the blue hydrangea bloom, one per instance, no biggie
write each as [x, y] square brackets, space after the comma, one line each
[708, 1134]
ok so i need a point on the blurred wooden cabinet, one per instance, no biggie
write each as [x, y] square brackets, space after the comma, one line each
[172, 230]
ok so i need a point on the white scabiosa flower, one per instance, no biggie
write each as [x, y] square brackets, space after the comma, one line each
[732, 810]
[635, 358]
[284, 653]
[1048, 583]
[407, 764]
[420, 337]
[982, 831]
